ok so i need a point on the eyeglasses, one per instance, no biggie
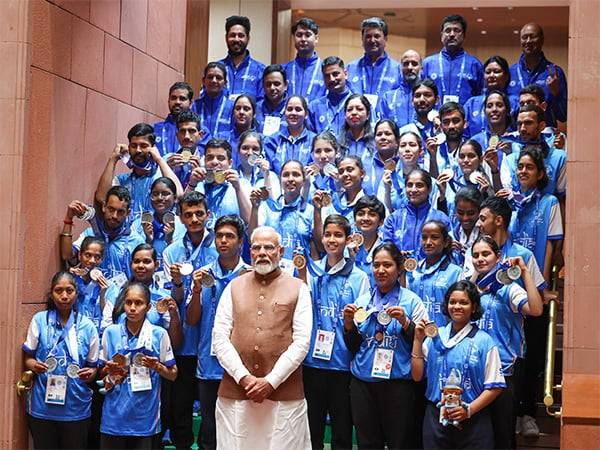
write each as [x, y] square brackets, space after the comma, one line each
[269, 248]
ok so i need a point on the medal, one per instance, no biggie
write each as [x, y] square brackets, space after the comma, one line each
[220, 177]
[88, 214]
[494, 141]
[168, 218]
[360, 315]
[514, 273]
[51, 362]
[147, 217]
[253, 159]
[448, 172]
[207, 280]
[357, 239]
[299, 261]
[329, 170]
[473, 177]
[314, 168]
[186, 269]
[186, 155]
[390, 164]
[383, 318]
[431, 330]
[379, 336]
[210, 176]
[432, 115]
[410, 264]
[162, 306]
[120, 360]
[326, 199]
[440, 138]
[72, 371]
[95, 274]
[502, 277]
[138, 359]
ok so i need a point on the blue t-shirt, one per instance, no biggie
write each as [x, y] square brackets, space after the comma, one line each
[222, 199]
[245, 78]
[394, 337]
[474, 358]
[342, 285]
[88, 300]
[305, 78]
[166, 136]
[139, 188]
[128, 413]
[366, 77]
[76, 343]
[214, 112]
[430, 284]
[282, 147]
[327, 112]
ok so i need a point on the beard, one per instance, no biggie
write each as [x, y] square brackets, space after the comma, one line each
[264, 268]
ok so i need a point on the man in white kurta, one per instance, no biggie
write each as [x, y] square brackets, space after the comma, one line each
[261, 335]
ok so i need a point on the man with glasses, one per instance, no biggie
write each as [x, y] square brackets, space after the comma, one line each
[458, 75]
[261, 335]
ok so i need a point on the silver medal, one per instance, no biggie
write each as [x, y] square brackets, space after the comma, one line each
[432, 115]
[253, 159]
[72, 371]
[168, 218]
[207, 280]
[138, 359]
[186, 269]
[514, 273]
[147, 217]
[502, 277]
[383, 318]
[95, 274]
[330, 170]
[52, 363]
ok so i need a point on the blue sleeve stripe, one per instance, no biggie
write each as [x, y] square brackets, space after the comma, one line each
[555, 237]
[542, 286]
[169, 363]
[488, 386]
[91, 364]
[28, 350]
[521, 304]
[101, 363]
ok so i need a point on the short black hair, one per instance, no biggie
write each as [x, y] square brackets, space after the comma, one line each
[338, 219]
[394, 252]
[182, 85]
[503, 63]
[471, 290]
[469, 194]
[392, 125]
[91, 240]
[219, 143]
[370, 202]
[237, 20]
[142, 130]
[374, 22]
[332, 61]
[499, 207]
[305, 22]
[428, 83]
[145, 246]
[539, 112]
[216, 65]
[426, 176]
[455, 18]
[121, 192]
[535, 90]
[449, 107]
[232, 220]
[192, 198]
[167, 182]
[272, 68]
[188, 116]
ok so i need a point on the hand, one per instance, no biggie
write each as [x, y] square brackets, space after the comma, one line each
[431, 145]
[103, 283]
[197, 279]
[491, 158]
[398, 313]
[154, 153]
[420, 330]
[247, 382]
[175, 160]
[148, 230]
[151, 362]
[459, 413]
[118, 151]
[115, 369]
[261, 390]
[553, 80]
[173, 307]
[39, 367]
[318, 199]
[168, 228]
[503, 193]
[387, 178]
[456, 245]
[264, 165]
[311, 170]
[175, 273]
[194, 161]
[87, 373]
[198, 174]
[256, 196]
[75, 209]
[232, 177]
[559, 140]
[482, 181]
[348, 314]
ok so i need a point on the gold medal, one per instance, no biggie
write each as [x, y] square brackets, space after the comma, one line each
[494, 141]
[314, 168]
[162, 306]
[220, 177]
[390, 164]
[431, 330]
[410, 264]
[186, 155]
[360, 315]
[299, 261]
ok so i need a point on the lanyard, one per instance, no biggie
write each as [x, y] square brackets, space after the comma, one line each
[312, 79]
[213, 127]
[464, 374]
[215, 196]
[192, 254]
[233, 71]
[125, 349]
[330, 107]
[53, 322]
[460, 74]
[322, 280]
[364, 78]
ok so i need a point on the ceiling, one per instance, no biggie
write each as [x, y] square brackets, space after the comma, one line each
[495, 23]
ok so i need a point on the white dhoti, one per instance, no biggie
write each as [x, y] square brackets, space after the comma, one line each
[246, 425]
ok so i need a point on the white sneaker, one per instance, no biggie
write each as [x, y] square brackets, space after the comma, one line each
[529, 428]
[518, 426]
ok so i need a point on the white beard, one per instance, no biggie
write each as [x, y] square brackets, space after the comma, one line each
[265, 268]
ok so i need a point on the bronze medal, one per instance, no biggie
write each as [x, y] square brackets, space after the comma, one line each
[326, 199]
[431, 330]
[299, 261]
[390, 164]
[162, 306]
[410, 264]
[379, 336]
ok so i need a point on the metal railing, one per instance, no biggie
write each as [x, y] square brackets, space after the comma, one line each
[549, 386]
